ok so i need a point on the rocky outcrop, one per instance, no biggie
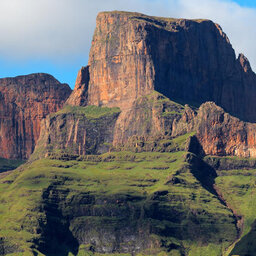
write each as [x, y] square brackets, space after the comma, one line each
[149, 116]
[222, 134]
[80, 94]
[24, 102]
[77, 131]
[218, 132]
[189, 61]
[141, 63]
[245, 63]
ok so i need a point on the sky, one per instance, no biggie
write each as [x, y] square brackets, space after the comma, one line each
[54, 36]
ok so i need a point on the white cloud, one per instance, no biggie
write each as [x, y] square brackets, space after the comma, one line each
[61, 29]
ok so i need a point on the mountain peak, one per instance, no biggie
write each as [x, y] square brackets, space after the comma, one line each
[188, 61]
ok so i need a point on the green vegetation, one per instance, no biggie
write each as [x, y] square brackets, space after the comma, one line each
[238, 188]
[158, 99]
[121, 191]
[156, 144]
[90, 112]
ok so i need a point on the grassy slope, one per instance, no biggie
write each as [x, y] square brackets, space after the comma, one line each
[92, 112]
[115, 175]
[238, 187]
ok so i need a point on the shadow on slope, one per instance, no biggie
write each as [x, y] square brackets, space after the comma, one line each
[246, 246]
[57, 238]
[203, 172]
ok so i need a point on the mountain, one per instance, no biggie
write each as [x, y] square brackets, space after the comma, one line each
[188, 61]
[151, 154]
[24, 102]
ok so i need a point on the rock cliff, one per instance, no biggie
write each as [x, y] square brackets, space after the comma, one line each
[189, 61]
[24, 102]
[218, 132]
[80, 93]
[222, 134]
[77, 131]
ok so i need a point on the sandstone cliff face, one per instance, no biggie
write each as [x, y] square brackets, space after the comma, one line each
[189, 61]
[134, 57]
[121, 68]
[24, 102]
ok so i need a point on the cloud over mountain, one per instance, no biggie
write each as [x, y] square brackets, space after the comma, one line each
[62, 29]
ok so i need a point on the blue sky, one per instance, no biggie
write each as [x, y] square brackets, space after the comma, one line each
[54, 36]
[247, 3]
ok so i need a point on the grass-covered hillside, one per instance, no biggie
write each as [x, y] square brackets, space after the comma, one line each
[238, 187]
[119, 203]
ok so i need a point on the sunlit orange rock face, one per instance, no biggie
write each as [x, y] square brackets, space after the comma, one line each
[121, 67]
[188, 61]
[24, 102]
[222, 134]
[218, 132]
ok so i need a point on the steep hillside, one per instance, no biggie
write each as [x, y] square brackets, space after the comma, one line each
[24, 102]
[236, 185]
[218, 132]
